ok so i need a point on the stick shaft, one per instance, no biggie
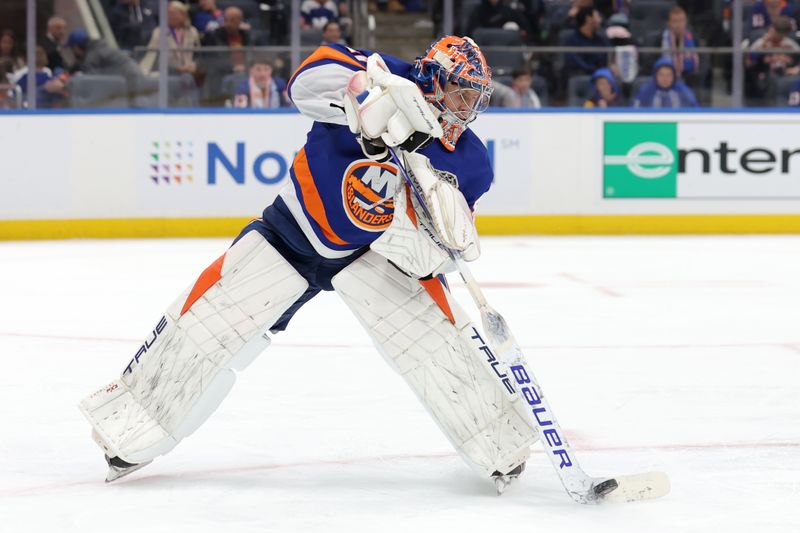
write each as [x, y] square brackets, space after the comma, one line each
[576, 482]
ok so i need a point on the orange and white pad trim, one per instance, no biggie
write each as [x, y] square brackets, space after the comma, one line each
[185, 366]
[427, 338]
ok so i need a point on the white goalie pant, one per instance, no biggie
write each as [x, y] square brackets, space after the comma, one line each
[185, 368]
[444, 359]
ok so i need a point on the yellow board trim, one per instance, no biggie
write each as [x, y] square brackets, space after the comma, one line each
[115, 228]
[487, 225]
[636, 224]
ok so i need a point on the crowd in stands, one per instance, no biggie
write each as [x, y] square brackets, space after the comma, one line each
[211, 61]
[613, 72]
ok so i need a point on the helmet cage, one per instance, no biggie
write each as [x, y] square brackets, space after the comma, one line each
[460, 61]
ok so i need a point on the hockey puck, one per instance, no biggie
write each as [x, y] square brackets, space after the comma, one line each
[604, 487]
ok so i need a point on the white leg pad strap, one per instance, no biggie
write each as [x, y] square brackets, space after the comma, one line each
[185, 367]
[444, 361]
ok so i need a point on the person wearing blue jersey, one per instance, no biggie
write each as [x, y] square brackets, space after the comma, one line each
[794, 95]
[764, 13]
[347, 222]
[665, 89]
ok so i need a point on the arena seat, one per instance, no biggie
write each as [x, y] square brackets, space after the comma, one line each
[501, 62]
[310, 37]
[783, 86]
[579, 88]
[231, 82]
[649, 15]
[180, 89]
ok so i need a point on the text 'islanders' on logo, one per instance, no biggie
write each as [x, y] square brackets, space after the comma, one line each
[368, 194]
[171, 162]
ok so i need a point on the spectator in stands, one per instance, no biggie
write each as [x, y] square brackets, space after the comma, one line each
[7, 88]
[208, 16]
[520, 95]
[94, 56]
[232, 35]
[606, 90]
[316, 13]
[9, 50]
[6, 71]
[261, 89]
[587, 34]
[52, 40]
[533, 11]
[665, 89]
[181, 36]
[794, 95]
[677, 42]
[332, 33]
[570, 21]
[496, 14]
[392, 6]
[133, 21]
[764, 13]
[762, 69]
[50, 88]
[234, 31]
[626, 53]
[345, 20]
[620, 6]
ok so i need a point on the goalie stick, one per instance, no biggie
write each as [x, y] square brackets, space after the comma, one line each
[580, 486]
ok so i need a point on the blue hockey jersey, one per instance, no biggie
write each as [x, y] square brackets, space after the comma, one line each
[340, 199]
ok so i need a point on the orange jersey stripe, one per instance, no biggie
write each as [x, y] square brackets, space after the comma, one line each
[412, 215]
[436, 291]
[311, 199]
[207, 279]
[326, 52]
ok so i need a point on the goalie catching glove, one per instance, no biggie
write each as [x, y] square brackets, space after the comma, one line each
[387, 110]
[415, 243]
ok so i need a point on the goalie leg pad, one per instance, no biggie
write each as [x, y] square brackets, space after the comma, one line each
[185, 368]
[430, 342]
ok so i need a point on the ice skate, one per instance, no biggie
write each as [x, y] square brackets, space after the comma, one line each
[118, 468]
[502, 481]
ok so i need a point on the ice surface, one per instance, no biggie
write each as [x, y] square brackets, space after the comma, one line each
[673, 353]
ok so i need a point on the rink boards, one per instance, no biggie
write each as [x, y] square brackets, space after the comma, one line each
[114, 174]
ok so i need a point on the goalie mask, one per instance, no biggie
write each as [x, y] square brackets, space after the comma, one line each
[454, 77]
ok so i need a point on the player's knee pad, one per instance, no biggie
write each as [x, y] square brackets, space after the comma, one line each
[185, 367]
[428, 340]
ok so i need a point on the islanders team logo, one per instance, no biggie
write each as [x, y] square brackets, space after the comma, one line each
[368, 194]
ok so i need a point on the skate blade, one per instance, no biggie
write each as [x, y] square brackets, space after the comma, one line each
[501, 483]
[114, 473]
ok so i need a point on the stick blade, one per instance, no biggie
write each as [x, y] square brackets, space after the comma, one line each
[638, 487]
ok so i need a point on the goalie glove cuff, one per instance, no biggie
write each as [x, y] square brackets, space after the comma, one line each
[374, 149]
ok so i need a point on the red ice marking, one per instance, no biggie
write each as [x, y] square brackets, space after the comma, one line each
[599, 288]
[207, 279]
[508, 285]
[54, 487]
